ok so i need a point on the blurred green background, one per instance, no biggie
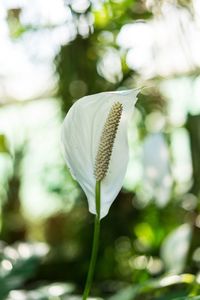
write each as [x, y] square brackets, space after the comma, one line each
[53, 52]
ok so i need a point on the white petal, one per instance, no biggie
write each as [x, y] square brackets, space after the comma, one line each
[81, 132]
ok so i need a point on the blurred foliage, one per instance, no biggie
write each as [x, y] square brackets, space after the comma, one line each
[3, 144]
[76, 66]
[193, 124]
[17, 264]
[146, 251]
[13, 226]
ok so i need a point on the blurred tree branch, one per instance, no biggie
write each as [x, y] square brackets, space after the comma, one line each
[193, 126]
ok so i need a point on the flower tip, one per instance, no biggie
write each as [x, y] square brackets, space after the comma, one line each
[132, 94]
[129, 92]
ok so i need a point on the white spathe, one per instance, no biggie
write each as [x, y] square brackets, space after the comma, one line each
[80, 136]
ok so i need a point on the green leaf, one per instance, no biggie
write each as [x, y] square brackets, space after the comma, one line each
[175, 248]
[151, 286]
[187, 298]
[3, 144]
[128, 293]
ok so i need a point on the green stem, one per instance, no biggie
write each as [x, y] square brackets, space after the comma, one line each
[95, 242]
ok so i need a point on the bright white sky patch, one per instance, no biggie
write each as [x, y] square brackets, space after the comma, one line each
[168, 44]
[27, 69]
[39, 12]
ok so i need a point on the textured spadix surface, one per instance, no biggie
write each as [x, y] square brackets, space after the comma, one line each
[81, 134]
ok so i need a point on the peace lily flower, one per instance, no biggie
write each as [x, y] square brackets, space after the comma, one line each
[81, 138]
[95, 146]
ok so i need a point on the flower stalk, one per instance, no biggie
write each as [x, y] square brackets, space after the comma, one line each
[95, 242]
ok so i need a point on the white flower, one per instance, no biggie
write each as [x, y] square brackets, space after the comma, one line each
[81, 133]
